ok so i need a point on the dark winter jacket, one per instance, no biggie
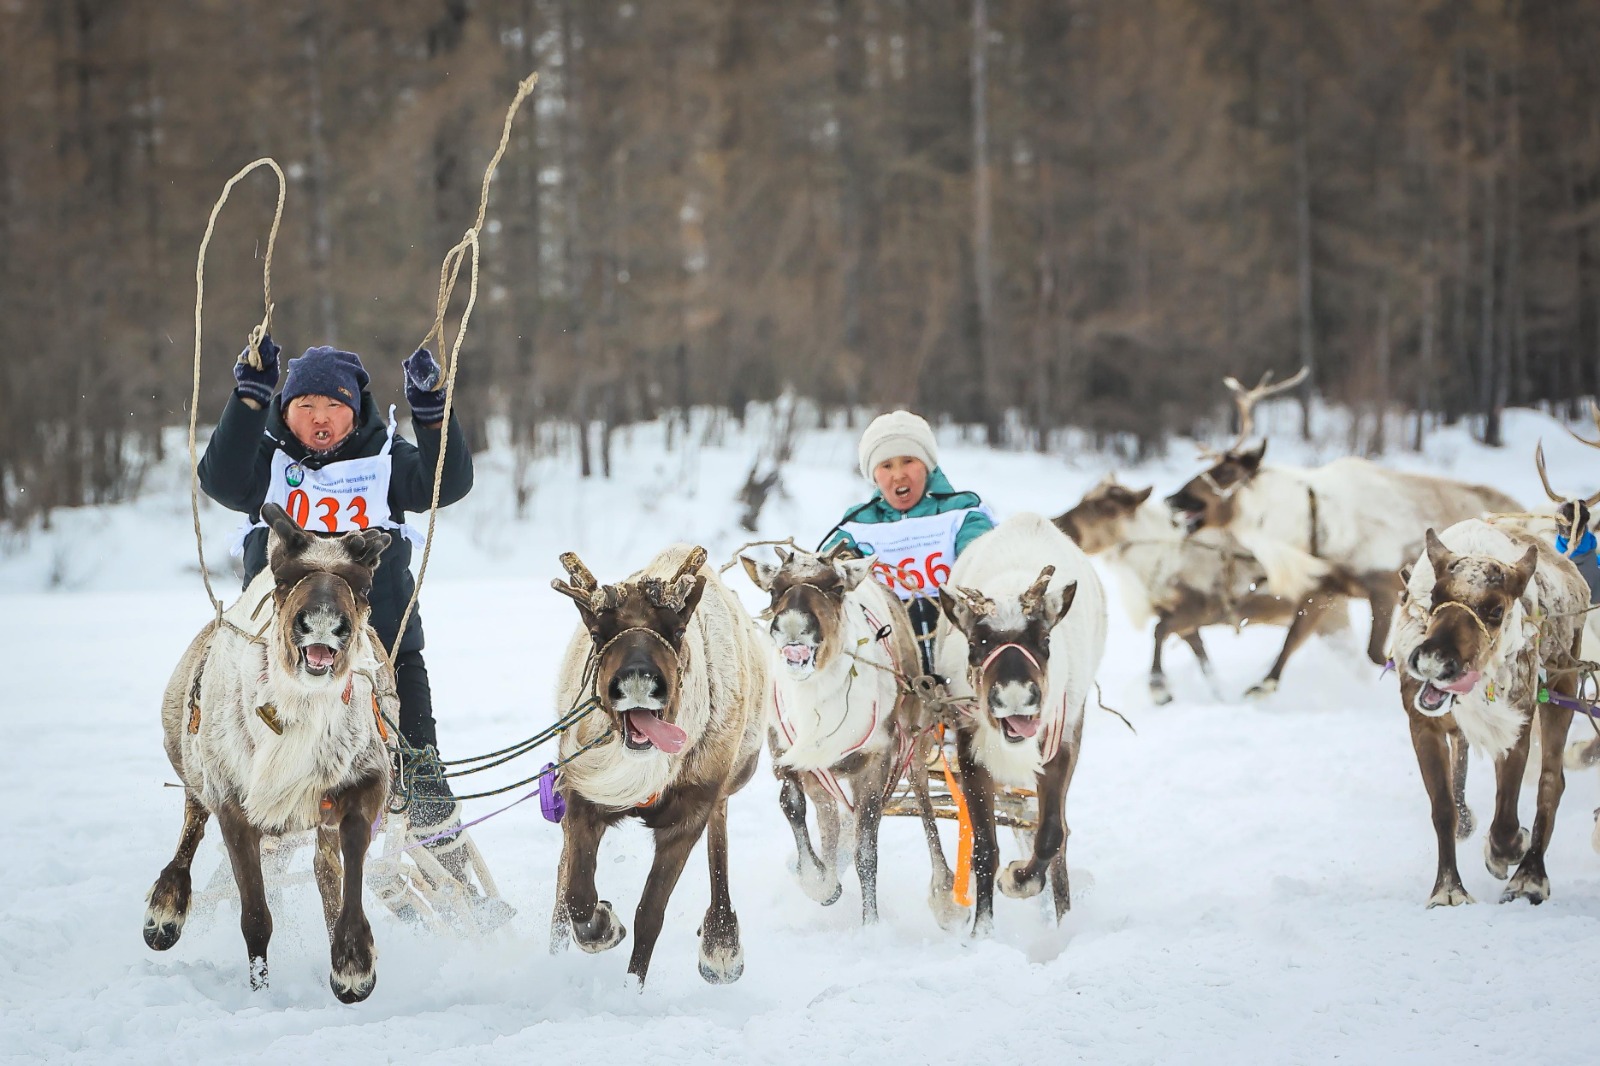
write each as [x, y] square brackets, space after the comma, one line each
[237, 466]
[937, 498]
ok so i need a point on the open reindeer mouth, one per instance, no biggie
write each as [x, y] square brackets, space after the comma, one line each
[1192, 520]
[1017, 728]
[1433, 699]
[800, 658]
[318, 659]
[643, 729]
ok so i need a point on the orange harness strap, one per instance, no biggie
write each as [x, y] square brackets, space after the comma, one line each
[962, 892]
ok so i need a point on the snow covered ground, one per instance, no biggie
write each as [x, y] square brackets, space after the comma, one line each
[1258, 869]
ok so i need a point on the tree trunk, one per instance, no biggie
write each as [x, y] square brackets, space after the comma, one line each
[982, 230]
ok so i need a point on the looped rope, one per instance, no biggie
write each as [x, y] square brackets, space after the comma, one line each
[449, 272]
[255, 339]
[1488, 638]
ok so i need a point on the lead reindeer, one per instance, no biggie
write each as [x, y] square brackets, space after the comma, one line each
[280, 732]
[681, 677]
[1188, 582]
[1345, 527]
[841, 645]
[1489, 614]
[1027, 629]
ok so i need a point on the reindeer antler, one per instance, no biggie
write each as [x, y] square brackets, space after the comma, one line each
[584, 589]
[670, 593]
[1544, 478]
[1030, 599]
[577, 572]
[1594, 413]
[975, 601]
[1246, 399]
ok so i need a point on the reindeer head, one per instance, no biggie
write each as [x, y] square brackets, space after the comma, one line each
[638, 629]
[1100, 520]
[1207, 500]
[1473, 596]
[1008, 649]
[320, 589]
[1573, 514]
[807, 606]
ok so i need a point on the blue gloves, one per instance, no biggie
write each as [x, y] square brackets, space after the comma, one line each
[256, 384]
[424, 387]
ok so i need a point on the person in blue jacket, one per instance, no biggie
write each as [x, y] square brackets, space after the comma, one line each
[916, 524]
[324, 451]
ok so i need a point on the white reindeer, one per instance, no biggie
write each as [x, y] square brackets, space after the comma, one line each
[280, 733]
[1026, 631]
[842, 647]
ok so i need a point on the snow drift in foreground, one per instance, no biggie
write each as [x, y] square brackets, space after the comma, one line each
[1258, 869]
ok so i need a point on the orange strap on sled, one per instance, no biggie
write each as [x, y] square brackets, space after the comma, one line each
[962, 892]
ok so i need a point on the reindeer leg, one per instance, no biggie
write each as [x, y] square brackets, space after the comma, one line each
[979, 789]
[329, 872]
[1305, 621]
[1507, 841]
[673, 844]
[1465, 823]
[1383, 594]
[167, 904]
[1530, 882]
[941, 886]
[873, 784]
[1432, 745]
[1159, 692]
[721, 956]
[243, 841]
[591, 920]
[353, 974]
[819, 880]
[1196, 645]
[1024, 878]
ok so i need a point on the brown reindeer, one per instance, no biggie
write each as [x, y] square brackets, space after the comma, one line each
[1188, 582]
[280, 733]
[1342, 528]
[1488, 612]
[681, 676]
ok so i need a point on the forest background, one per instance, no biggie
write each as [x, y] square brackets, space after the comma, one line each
[1025, 215]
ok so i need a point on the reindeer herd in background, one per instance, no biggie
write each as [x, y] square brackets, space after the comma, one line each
[1489, 647]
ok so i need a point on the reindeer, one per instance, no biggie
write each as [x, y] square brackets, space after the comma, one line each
[842, 647]
[681, 676]
[1026, 631]
[1187, 582]
[1342, 528]
[1488, 613]
[281, 732]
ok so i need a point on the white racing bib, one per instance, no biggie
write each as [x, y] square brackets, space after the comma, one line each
[912, 556]
[343, 497]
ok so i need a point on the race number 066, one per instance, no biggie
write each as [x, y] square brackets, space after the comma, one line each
[908, 573]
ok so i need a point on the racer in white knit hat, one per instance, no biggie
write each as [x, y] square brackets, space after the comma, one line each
[915, 523]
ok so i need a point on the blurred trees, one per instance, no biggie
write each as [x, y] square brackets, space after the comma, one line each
[1020, 213]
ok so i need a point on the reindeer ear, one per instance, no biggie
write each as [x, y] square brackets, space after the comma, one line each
[366, 549]
[763, 574]
[852, 572]
[1056, 604]
[289, 538]
[1251, 460]
[1405, 575]
[1518, 576]
[1142, 495]
[1439, 557]
[692, 587]
[950, 603]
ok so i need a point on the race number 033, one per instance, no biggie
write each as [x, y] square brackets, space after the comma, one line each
[355, 512]
[913, 573]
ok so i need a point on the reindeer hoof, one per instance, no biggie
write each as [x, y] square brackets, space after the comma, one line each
[161, 934]
[352, 988]
[1015, 884]
[1449, 896]
[983, 927]
[167, 909]
[1535, 888]
[1160, 694]
[602, 932]
[1261, 689]
[258, 974]
[1594, 836]
[817, 885]
[1499, 862]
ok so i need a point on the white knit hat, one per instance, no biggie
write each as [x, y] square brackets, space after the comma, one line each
[893, 434]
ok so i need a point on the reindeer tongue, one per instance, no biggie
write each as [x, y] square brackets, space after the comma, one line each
[319, 656]
[1021, 725]
[664, 735]
[1463, 684]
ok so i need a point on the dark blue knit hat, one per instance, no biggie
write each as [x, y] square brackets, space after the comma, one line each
[325, 371]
